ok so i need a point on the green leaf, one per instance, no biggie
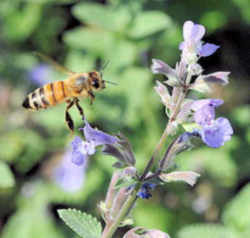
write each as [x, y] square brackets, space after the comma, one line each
[149, 23]
[31, 219]
[102, 16]
[27, 19]
[241, 116]
[83, 224]
[6, 177]
[97, 43]
[160, 217]
[237, 212]
[206, 231]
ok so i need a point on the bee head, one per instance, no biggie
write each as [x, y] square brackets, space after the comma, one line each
[96, 81]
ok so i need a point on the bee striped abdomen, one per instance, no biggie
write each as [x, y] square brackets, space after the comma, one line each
[49, 95]
[55, 92]
[36, 100]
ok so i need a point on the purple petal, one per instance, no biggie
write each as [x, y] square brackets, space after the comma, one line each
[160, 67]
[217, 77]
[208, 49]
[196, 105]
[96, 136]
[218, 133]
[187, 30]
[81, 150]
[205, 110]
[76, 143]
[204, 115]
[198, 31]
[68, 175]
[193, 32]
[78, 158]
[144, 191]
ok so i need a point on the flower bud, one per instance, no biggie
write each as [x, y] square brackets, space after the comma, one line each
[140, 232]
[116, 197]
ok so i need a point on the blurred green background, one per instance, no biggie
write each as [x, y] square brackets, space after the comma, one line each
[82, 35]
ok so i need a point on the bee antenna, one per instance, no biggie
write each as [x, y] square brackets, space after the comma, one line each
[111, 82]
[104, 66]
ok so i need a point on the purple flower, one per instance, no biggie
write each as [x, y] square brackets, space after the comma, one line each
[205, 110]
[40, 74]
[208, 49]
[217, 133]
[93, 137]
[67, 175]
[160, 67]
[144, 190]
[220, 77]
[192, 46]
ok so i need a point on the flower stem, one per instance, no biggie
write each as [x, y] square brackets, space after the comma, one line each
[165, 134]
[110, 228]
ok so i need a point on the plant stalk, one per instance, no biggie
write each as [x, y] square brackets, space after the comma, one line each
[110, 228]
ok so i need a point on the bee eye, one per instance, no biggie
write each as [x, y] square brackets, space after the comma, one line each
[95, 83]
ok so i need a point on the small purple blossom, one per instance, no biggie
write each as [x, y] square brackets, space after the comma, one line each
[160, 67]
[40, 74]
[217, 133]
[96, 136]
[93, 137]
[205, 110]
[68, 176]
[193, 33]
[192, 46]
[144, 190]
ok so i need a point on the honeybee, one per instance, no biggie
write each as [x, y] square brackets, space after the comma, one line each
[69, 90]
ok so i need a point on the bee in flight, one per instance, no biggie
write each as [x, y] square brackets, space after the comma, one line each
[69, 90]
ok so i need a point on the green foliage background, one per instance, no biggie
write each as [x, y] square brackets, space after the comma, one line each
[128, 33]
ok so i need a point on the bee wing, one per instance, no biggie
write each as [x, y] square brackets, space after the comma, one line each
[54, 63]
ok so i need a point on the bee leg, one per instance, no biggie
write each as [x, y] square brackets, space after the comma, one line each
[68, 118]
[80, 109]
[92, 97]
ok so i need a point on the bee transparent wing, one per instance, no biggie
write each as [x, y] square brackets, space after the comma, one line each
[56, 65]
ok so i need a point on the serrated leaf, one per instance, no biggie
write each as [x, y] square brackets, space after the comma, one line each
[6, 177]
[83, 224]
[149, 23]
